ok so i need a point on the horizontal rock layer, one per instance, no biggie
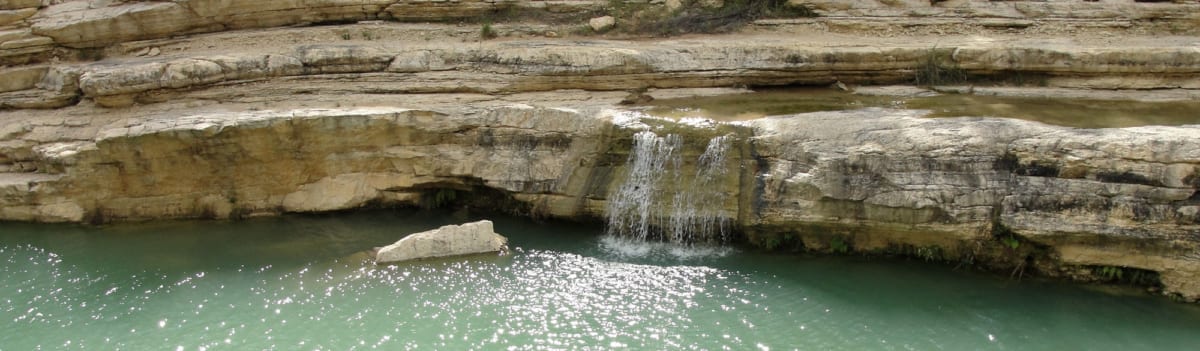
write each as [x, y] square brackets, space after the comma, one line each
[78, 25]
[533, 65]
[39, 31]
[82, 24]
[1029, 10]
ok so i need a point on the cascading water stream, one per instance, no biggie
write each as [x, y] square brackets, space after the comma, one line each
[639, 210]
[629, 209]
[696, 213]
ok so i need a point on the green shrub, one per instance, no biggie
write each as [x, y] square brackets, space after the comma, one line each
[936, 68]
[486, 32]
[838, 245]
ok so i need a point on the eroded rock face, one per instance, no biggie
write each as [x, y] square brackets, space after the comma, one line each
[320, 160]
[77, 25]
[452, 240]
[1086, 194]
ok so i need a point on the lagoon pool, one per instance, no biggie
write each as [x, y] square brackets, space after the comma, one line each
[302, 283]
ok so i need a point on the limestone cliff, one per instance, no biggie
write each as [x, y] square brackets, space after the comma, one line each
[874, 179]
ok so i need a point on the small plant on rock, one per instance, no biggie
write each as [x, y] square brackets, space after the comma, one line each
[486, 32]
[933, 69]
[838, 245]
[1111, 273]
[1011, 242]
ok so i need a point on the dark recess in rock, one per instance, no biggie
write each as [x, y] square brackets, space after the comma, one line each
[1126, 178]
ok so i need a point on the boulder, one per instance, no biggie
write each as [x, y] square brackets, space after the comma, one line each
[600, 24]
[673, 5]
[451, 240]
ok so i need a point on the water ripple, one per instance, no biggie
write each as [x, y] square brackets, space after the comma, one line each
[603, 294]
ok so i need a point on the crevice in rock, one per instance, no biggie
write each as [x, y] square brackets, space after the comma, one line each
[1036, 169]
[1193, 180]
[334, 22]
[1121, 275]
[1127, 178]
[1011, 163]
[471, 194]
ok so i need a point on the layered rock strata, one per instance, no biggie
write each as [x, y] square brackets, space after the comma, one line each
[509, 67]
[1113, 10]
[87, 24]
[34, 32]
[1119, 197]
[98, 23]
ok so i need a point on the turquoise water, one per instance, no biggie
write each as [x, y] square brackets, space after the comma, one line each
[294, 283]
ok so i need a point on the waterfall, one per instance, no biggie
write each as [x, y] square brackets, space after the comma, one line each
[695, 212]
[629, 209]
[658, 200]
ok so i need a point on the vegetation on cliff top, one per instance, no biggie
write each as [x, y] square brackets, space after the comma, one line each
[694, 17]
[644, 18]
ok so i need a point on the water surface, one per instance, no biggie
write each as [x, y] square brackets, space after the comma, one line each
[297, 283]
[1081, 113]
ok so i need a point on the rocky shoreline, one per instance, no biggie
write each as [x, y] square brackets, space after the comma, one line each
[312, 119]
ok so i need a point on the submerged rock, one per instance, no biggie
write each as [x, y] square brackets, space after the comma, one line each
[451, 240]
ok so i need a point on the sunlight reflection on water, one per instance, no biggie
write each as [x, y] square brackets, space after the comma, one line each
[628, 248]
[533, 299]
[556, 290]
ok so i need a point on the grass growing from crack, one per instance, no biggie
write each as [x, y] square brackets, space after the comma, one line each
[838, 245]
[937, 68]
[1127, 275]
[1011, 242]
[486, 31]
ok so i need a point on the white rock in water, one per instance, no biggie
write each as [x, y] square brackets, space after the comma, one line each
[451, 240]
